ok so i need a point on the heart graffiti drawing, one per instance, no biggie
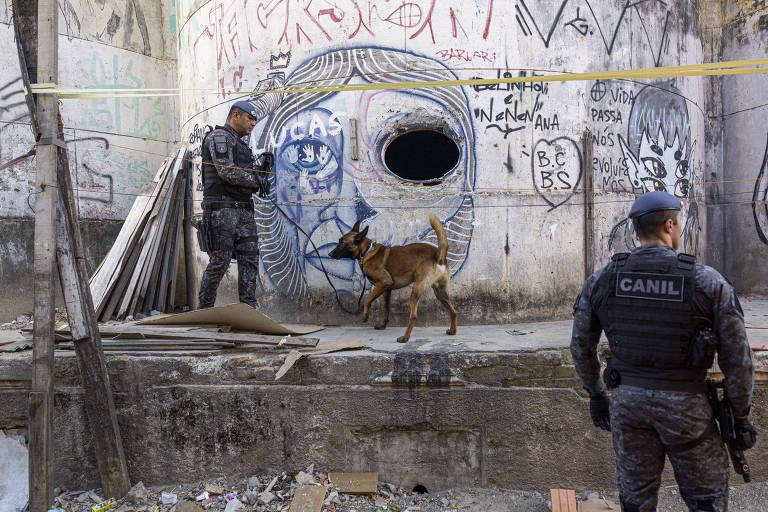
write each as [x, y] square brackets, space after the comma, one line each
[556, 168]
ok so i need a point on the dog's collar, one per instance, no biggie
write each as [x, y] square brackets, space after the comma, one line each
[365, 253]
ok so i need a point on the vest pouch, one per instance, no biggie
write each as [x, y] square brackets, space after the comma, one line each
[701, 353]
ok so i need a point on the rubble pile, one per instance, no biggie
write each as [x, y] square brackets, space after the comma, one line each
[273, 493]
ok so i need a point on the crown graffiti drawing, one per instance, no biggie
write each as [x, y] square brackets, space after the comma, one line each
[280, 61]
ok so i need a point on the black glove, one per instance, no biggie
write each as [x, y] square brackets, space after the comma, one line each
[264, 186]
[600, 411]
[267, 164]
[746, 434]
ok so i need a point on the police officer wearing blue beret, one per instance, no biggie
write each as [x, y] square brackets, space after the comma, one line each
[665, 317]
[230, 175]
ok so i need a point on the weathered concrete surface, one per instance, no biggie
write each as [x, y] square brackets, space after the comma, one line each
[497, 410]
[16, 244]
[739, 177]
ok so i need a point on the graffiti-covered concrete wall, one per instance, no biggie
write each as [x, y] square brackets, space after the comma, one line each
[740, 180]
[502, 165]
[115, 145]
[512, 201]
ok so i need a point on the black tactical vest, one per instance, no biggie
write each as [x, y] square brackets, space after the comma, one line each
[214, 188]
[648, 314]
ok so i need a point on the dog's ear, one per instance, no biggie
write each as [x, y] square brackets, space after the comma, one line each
[356, 227]
[361, 236]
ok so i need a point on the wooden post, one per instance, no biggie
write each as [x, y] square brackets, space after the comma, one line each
[589, 204]
[41, 398]
[70, 255]
[99, 405]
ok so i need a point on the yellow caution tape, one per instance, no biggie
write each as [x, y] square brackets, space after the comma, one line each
[735, 67]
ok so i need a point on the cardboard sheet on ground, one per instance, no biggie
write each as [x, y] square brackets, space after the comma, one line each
[325, 348]
[308, 498]
[598, 506]
[239, 315]
[355, 483]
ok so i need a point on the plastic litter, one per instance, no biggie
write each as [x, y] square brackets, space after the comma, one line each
[203, 496]
[104, 505]
[169, 498]
[14, 474]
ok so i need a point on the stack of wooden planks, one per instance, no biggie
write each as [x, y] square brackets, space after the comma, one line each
[130, 337]
[142, 270]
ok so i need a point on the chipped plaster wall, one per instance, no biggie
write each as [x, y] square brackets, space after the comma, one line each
[740, 202]
[514, 222]
[115, 144]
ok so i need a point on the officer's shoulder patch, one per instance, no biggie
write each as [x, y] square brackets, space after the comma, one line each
[220, 144]
[643, 285]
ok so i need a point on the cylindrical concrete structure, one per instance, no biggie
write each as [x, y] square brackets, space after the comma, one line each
[512, 201]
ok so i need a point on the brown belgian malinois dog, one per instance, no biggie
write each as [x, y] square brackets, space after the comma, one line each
[391, 268]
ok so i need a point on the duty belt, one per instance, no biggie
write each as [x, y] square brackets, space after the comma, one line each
[664, 385]
[226, 203]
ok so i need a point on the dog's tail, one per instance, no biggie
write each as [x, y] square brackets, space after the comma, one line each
[442, 240]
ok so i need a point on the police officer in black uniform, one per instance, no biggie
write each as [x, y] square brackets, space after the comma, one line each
[665, 317]
[230, 176]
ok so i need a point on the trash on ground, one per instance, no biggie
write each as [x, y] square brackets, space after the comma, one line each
[517, 332]
[104, 505]
[325, 348]
[169, 498]
[14, 474]
[354, 483]
[308, 498]
[598, 505]
[239, 316]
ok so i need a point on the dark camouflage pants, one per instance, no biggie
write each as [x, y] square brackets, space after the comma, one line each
[647, 425]
[233, 231]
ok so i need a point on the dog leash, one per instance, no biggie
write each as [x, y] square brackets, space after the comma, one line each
[320, 259]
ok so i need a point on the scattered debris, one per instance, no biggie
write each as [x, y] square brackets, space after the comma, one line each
[355, 483]
[308, 498]
[598, 505]
[563, 500]
[137, 494]
[14, 474]
[214, 489]
[516, 332]
[267, 497]
[239, 315]
[169, 498]
[325, 348]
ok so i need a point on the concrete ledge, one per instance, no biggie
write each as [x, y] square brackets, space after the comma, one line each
[500, 421]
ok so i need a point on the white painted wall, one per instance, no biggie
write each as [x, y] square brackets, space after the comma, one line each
[503, 181]
[115, 144]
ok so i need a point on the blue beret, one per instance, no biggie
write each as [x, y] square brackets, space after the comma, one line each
[652, 202]
[245, 106]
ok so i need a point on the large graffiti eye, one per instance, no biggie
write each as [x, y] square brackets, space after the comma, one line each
[652, 184]
[682, 169]
[681, 188]
[655, 167]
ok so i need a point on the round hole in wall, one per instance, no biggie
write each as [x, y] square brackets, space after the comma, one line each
[420, 489]
[421, 155]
